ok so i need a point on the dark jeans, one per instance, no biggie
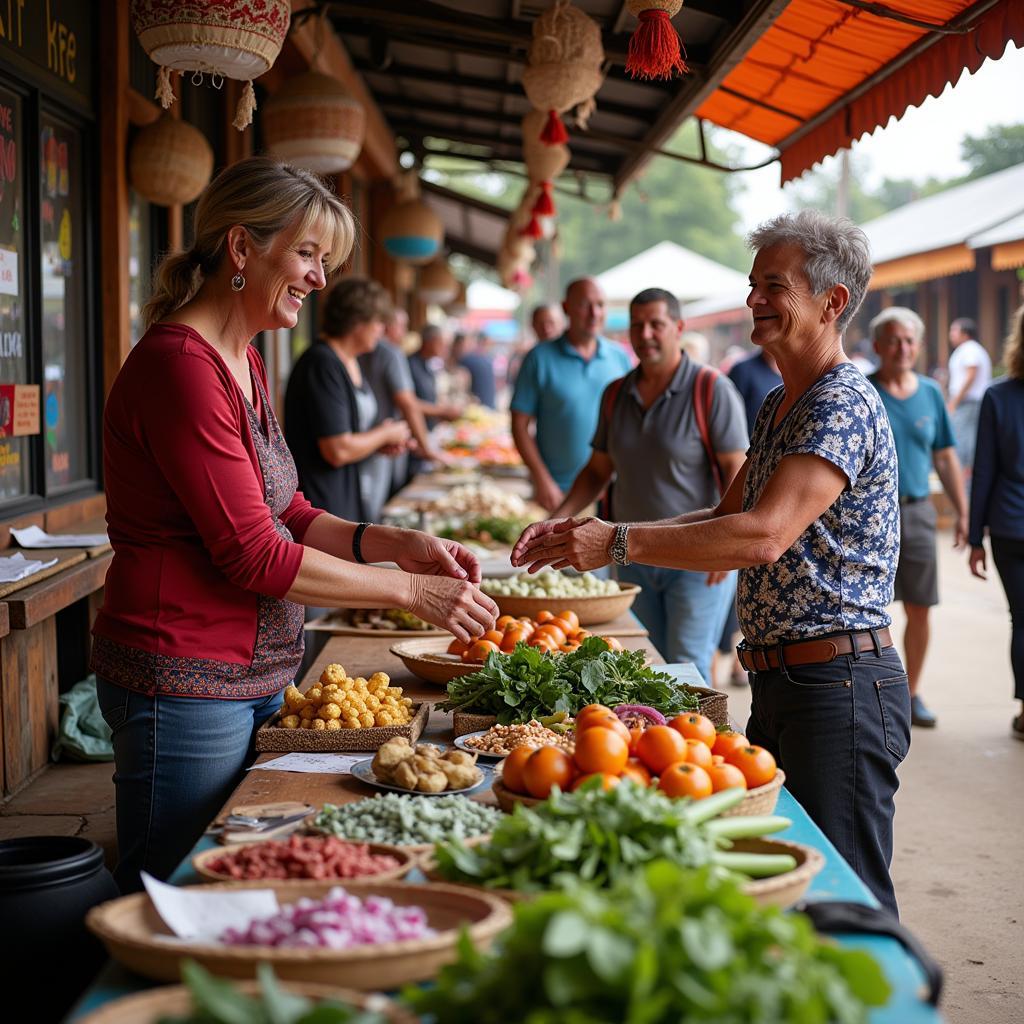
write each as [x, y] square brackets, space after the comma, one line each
[176, 762]
[839, 730]
[1009, 558]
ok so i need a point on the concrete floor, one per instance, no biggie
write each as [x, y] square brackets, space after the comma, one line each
[959, 821]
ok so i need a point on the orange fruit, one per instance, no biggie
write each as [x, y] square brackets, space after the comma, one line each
[660, 746]
[512, 768]
[636, 771]
[727, 741]
[566, 627]
[504, 621]
[544, 616]
[546, 768]
[514, 634]
[756, 763]
[612, 642]
[582, 634]
[726, 776]
[608, 781]
[606, 720]
[698, 753]
[601, 750]
[571, 617]
[694, 726]
[550, 629]
[479, 650]
[495, 636]
[458, 647]
[590, 709]
[682, 779]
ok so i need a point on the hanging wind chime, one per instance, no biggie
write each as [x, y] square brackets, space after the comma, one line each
[655, 50]
[544, 164]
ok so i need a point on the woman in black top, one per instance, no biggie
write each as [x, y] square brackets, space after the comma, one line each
[997, 496]
[330, 411]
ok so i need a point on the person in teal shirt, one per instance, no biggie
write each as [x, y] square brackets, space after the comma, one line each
[924, 438]
[558, 394]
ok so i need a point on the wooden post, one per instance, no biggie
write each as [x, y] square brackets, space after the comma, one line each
[942, 316]
[988, 314]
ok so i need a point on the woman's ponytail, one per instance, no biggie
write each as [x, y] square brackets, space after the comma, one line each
[177, 279]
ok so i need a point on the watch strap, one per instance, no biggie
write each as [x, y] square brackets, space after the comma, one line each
[357, 543]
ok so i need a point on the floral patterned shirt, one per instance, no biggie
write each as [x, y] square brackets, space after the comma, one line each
[839, 573]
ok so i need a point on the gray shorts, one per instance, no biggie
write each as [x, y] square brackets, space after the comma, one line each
[917, 576]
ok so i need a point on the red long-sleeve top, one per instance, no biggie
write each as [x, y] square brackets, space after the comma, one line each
[206, 524]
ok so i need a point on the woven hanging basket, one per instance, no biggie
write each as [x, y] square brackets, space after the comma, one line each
[313, 122]
[460, 304]
[237, 39]
[543, 162]
[411, 231]
[564, 65]
[405, 277]
[170, 162]
[655, 50]
[437, 284]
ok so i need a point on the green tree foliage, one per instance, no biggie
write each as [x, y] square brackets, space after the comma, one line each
[999, 147]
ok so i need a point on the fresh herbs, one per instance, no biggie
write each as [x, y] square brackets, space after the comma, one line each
[665, 945]
[219, 1002]
[529, 684]
[602, 835]
[487, 529]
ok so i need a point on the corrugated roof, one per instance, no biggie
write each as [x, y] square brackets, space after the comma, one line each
[1011, 230]
[684, 273]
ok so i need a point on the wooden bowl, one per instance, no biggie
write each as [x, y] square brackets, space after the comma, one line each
[429, 660]
[136, 937]
[406, 862]
[176, 1001]
[592, 611]
[760, 799]
[508, 798]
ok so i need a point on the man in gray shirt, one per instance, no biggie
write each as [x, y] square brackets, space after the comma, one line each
[650, 442]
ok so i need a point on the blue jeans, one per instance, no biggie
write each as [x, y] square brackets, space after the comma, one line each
[683, 615]
[176, 762]
[965, 430]
[839, 730]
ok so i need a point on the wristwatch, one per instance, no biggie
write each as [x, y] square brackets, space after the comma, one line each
[619, 549]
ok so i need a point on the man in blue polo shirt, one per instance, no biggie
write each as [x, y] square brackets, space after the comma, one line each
[558, 393]
[923, 434]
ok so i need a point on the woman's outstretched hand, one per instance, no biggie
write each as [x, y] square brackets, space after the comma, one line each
[455, 605]
[560, 543]
[431, 556]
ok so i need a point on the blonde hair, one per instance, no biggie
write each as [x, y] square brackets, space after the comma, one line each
[1013, 353]
[264, 197]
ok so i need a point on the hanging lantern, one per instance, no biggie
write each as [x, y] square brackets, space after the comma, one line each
[564, 66]
[458, 306]
[437, 284]
[411, 231]
[654, 48]
[170, 162]
[313, 122]
[237, 39]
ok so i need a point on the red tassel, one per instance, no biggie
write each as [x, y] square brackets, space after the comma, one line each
[554, 133]
[545, 205]
[654, 48]
[533, 229]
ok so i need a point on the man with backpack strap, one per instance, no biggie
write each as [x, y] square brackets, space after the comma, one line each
[672, 434]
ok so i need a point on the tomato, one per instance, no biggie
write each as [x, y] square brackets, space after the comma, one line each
[571, 617]
[634, 736]
[569, 646]
[582, 634]
[515, 634]
[698, 753]
[512, 769]
[726, 741]
[458, 647]
[545, 768]
[606, 720]
[717, 759]
[504, 621]
[544, 616]
[479, 650]
[607, 781]
[590, 709]
[756, 763]
[659, 747]
[566, 627]
[495, 636]
[726, 776]
[553, 631]
[636, 771]
[542, 640]
[694, 726]
[612, 642]
[601, 750]
[682, 779]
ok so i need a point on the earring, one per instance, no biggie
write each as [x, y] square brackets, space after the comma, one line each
[238, 282]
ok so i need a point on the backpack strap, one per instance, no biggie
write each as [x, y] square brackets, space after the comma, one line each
[703, 396]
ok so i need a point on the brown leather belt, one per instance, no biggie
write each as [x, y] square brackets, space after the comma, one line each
[811, 652]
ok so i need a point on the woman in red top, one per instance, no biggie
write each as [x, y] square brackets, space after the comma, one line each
[215, 549]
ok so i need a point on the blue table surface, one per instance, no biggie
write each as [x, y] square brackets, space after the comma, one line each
[836, 881]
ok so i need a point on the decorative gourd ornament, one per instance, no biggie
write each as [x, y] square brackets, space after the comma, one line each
[411, 231]
[564, 67]
[170, 162]
[655, 50]
[543, 163]
[313, 121]
[237, 39]
[437, 284]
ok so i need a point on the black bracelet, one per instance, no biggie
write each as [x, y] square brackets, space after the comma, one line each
[357, 538]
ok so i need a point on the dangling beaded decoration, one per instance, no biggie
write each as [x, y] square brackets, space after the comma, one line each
[238, 282]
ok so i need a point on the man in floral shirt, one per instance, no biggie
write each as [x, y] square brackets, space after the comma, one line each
[812, 522]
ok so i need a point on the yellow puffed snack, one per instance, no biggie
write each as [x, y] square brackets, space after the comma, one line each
[307, 723]
[380, 678]
[308, 713]
[360, 684]
[334, 725]
[293, 699]
[290, 722]
[372, 702]
[329, 711]
[333, 674]
[384, 718]
[366, 720]
[350, 722]
[314, 694]
[318, 724]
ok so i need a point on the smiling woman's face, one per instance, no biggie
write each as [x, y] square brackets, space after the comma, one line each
[285, 275]
[781, 300]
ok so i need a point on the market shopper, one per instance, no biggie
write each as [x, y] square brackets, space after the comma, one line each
[342, 449]
[672, 436]
[970, 373]
[923, 435]
[997, 497]
[812, 522]
[215, 549]
[558, 390]
[546, 322]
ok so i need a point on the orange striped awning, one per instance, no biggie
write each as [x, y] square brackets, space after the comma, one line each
[922, 266]
[1008, 256]
[827, 71]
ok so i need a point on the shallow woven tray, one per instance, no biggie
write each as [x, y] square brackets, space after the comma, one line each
[406, 862]
[136, 937]
[428, 659]
[176, 1001]
[464, 722]
[271, 737]
[712, 704]
[761, 799]
[781, 891]
[337, 626]
[592, 611]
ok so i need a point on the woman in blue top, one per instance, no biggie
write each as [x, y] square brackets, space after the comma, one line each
[997, 497]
